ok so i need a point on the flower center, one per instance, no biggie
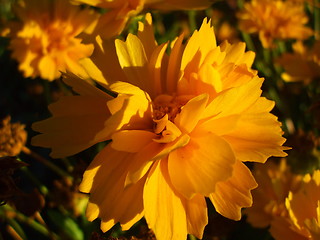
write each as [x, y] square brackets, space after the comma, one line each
[165, 110]
[170, 105]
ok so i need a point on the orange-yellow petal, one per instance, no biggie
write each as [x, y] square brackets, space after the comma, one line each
[232, 195]
[83, 87]
[206, 160]
[109, 200]
[133, 61]
[197, 217]
[173, 71]
[131, 140]
[142, 160]
[164, 211]
[257, 137]
[146, 35]
[281, 230]
[75, 126]
[191, 113]
[235, 100]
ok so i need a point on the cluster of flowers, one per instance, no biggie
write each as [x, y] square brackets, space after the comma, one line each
[181, 118]
[288, 202]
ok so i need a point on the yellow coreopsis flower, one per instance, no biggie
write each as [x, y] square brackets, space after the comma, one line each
[275, 182]
[302, 65]
[119, 11]
[303, 222]
[45, 41]
[180, 127]
[274, 19]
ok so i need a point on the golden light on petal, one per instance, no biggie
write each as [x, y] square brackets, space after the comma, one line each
[274, 19]
[180, 125]
[45, 42]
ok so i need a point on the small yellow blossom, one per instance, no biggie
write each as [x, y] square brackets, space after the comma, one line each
[180, 125]
[118, 12]
[13, 137]
[44, 41]
[303, 222]
[227, 32]
[303, 64]
[274, 19]
[275, 181]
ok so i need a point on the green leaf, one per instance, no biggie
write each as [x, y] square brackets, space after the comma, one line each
[66, 225]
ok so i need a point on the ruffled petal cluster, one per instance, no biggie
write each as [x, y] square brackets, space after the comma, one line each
[180, 128]
[304, 212]
[287, 202]
[45, 42]
[274, 19]
[275, 182]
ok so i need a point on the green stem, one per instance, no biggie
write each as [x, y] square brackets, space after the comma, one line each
[32, 223]
[47, 93]
[15, 225]
[191, 237]
[282, 48]
[240, 4]
[67, 164]
[247, 38]
[317, 19]
[47, 163]
[192, 20]
[43, 189]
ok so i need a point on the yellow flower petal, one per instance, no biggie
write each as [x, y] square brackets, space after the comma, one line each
[280, 230]
[232, 195]
[133, 60]
[83, 87]
[196, 211]
[156, 76]
[154, 151]
[47, 68]
[164, 210]
[109, 200]
[256, 137]
[197, 48]
[75, 126]
[206, 160]
[227, 103]
[191, 113]
[131, 140]
[96, 64]
[146, 35]
[174, 72]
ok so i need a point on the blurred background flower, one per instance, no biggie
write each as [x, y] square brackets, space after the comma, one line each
[274, 19]
[301, 65]
[44, 38]
[13, 137]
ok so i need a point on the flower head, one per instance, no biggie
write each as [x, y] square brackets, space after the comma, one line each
[180, 125]
[274, 19]
[13, 137]
[303, 64]
[303, 221]
[275, 181]
[45, 41]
